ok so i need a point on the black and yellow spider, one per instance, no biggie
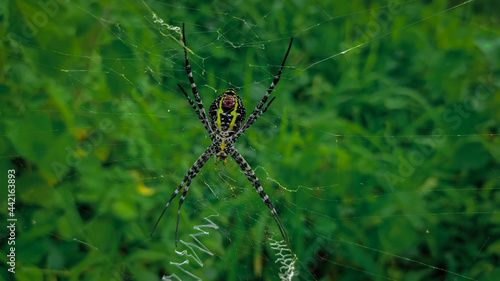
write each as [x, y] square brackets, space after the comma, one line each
[225, 127]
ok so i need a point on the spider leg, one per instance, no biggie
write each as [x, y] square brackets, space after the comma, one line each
[249, 122]
[202, 114]
[256, 113]
[190, 175]
[247, 170]
[231, 140]
[191, 102]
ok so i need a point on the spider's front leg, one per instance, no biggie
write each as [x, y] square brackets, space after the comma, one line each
[231, 140]
[201, 112]
[258, 111]
[203, 120]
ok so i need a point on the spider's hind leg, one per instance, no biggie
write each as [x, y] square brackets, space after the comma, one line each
[247, 170]
[190, 175]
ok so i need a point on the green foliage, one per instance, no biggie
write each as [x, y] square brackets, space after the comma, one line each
[383, 161]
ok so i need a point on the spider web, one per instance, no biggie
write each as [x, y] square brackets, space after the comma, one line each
[380, 152]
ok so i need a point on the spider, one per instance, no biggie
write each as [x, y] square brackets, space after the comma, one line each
[224, 126]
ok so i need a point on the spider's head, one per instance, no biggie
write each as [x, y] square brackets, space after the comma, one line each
[229, 98]
[227, 112]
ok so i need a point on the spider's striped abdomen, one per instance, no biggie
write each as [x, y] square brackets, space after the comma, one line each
[227, 113]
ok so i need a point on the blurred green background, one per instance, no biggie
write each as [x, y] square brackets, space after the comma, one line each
[382, 161]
